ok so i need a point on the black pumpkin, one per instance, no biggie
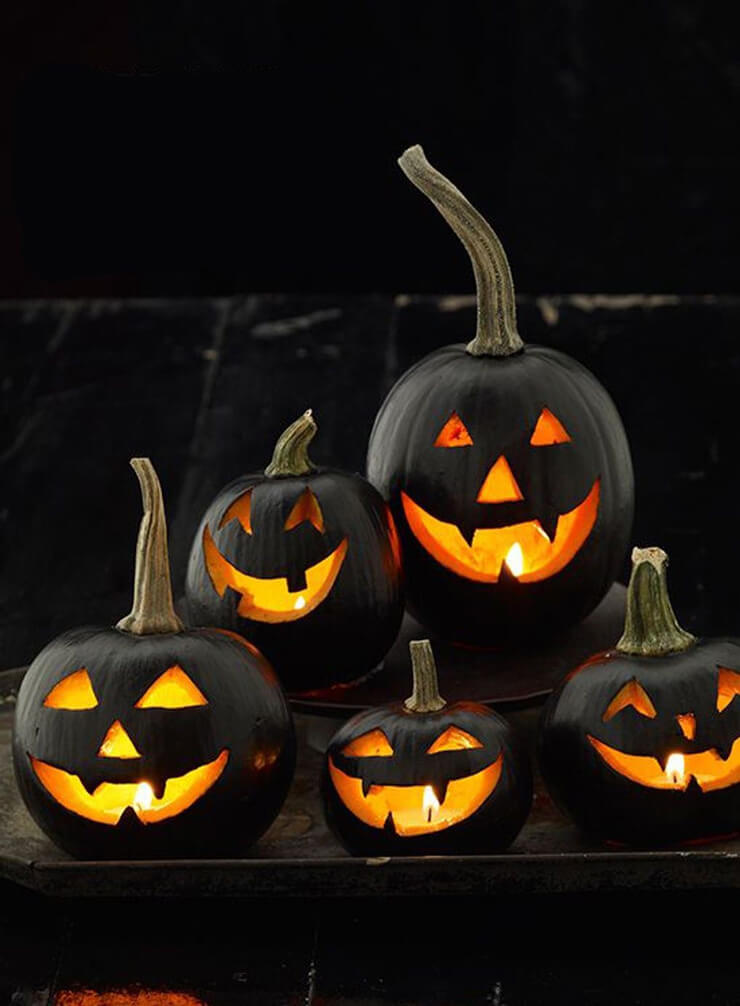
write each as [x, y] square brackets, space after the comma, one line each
[150, 740]
[641, 744]
[420, 777]
[506, 466]
[305, 562]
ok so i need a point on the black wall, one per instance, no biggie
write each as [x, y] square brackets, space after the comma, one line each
[213, 146]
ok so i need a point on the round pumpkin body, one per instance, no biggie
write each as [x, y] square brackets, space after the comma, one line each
[646, 749]
[173, 744]
[511, 484]
[305, 566]
[398, 782]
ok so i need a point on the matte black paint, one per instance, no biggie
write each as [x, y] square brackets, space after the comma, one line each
[492, 827]
[605, 803]
[246, 713]
[500, 400]
[355, 625]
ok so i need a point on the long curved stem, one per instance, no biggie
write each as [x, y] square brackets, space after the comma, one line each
[496, 333]
[425, 697]
[290, 456]
[651, 628]
[153, 611]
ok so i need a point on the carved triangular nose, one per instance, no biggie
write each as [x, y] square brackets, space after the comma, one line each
[117, 743]
[500, 485]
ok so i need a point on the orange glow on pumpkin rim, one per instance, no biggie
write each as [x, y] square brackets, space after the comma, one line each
[483, 559]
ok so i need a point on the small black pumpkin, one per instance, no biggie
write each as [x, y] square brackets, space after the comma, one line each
[506, 465]
[420, 777]
[641, 744]
[149, 739]
[305, 562]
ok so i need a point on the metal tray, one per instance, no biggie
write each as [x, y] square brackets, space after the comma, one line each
[299, 857]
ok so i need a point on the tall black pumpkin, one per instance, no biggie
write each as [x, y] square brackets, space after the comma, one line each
[641, 744]
[305, 562]
[149, 739]
[506, 465]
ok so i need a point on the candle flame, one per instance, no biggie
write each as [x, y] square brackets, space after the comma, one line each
[143, 796]
[429, 803]
[299, 603]
[675, 769]
[515, 559]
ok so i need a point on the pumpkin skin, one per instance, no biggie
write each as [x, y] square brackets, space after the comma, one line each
[500, 401]
[609, 729]
[506, 466]
[245, 715]
[493, 767]
[324, 520]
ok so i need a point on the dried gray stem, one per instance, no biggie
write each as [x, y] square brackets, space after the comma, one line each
[153, 611]
[651, 628]
[496, 333]
[425, 697]
[290, 456]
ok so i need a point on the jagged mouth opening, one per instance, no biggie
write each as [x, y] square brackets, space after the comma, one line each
[108, 801]
[523, 551]
[415, 810]
[708, 769]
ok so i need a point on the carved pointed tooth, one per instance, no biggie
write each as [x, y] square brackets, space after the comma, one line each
[389, 823]
[90, 783]
[158, 786]
[467, 530]
[506, 576]
[296, 580]
[548, 521]
[366, 786]
[440, 790]
[724, 749]
[693, 786]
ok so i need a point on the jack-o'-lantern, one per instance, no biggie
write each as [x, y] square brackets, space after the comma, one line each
[149, 739]
[506, 465]
[421, 776]
[642, 743]
[305, 562]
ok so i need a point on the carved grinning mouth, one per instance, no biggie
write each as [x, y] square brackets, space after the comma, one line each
[402, 808]
[485, 557]
[108, 801]
[270, 599]
[708, 768]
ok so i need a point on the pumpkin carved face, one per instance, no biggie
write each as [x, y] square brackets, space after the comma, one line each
[304, 564]
[505, 465]
[149, 739]
[400, 780]
[645, 746]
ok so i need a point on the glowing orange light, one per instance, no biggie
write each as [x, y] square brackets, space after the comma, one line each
[173, 689]
[306, 509]
[117, 743]
[454, 739]
[675, 769]
[73, 692]
[453, 433]
[687, 723]
[515, 559]
[429, 804]
[631, 694]
[728, 686]
[500, 486]
[549, 430]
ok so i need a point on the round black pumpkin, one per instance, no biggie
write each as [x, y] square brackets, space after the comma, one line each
[421, 777]
[641, 745]
[506, 465]
[305, 562]
[150, 740]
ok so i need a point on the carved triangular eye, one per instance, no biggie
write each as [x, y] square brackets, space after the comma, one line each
[306, 508]
[631, 694]
[241, 510]
[73, 692]
[172, 690]
[728, 686]
[373, 744]
[454, 739]
[453, 434]
[549, 430]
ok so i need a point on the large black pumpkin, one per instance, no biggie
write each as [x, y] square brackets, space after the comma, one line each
[304, 561]
[420, 777]
[506, 465]
[642, 743]
[150, 740]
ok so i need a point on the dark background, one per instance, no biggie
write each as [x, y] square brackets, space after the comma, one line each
[217, 146]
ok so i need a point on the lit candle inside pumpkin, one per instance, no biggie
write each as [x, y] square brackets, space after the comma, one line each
[429, 803]
[143, 796]
[675, 769]
[515, 559]
[300, 602]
